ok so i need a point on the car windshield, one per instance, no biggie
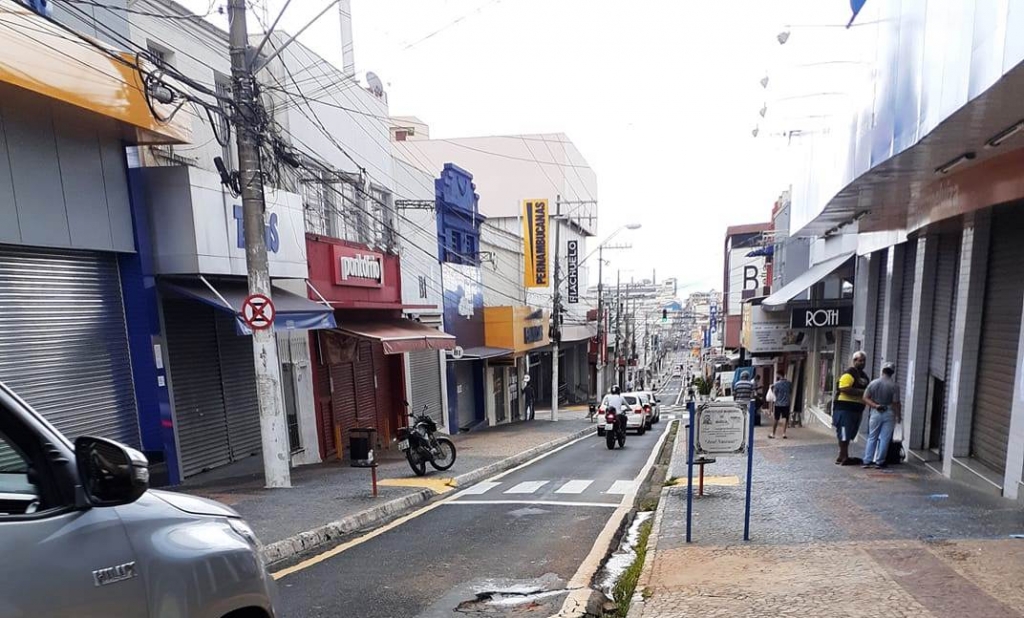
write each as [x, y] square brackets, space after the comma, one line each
[631, 399]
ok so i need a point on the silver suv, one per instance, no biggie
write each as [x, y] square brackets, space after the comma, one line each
[82, 535]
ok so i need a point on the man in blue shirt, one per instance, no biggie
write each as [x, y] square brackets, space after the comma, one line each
[782, 390]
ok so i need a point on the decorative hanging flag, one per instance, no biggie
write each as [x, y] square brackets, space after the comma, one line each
[855, 6]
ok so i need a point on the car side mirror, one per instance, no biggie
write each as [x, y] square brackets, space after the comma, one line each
[110, 473]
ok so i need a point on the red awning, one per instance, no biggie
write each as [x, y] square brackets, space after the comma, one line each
[400, 335]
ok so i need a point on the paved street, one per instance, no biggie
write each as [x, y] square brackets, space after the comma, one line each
[527, 530]
[833, 540]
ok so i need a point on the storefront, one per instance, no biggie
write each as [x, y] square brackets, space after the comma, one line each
[197, 252]
[66, 242]
[521, 330]
[775, 347]
[359, 367]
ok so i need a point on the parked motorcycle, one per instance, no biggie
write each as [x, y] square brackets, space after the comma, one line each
[614, 428]
[421, 446]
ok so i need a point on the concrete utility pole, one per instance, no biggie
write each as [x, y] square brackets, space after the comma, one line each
[556, 318]
[273, 425]
[618, 312]
[602, 347]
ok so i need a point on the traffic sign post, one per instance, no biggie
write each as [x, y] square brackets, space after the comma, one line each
[258, 312]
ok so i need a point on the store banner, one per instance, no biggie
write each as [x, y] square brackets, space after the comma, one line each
[572, 271]
[535, 235]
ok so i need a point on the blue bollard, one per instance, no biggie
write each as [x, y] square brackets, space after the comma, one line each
[750, 468]
[691, 412]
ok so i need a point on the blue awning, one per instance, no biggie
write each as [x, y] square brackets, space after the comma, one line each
[768, 250]
[292, 312]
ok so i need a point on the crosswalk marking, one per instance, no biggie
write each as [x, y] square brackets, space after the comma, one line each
[621, 487]
[574, 487]
[480, 488]
[526, 487]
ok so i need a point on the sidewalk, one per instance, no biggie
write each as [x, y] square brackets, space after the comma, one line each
[331, 499]
[830, 540]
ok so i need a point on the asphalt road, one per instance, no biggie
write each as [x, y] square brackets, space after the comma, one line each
[528, 530]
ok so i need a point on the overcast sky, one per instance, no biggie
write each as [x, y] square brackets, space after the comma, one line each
[660, 96]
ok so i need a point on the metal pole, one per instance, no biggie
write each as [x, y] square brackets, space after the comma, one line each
[690, 408]
[601, 345]
[273, 425]
[556, 309]
[750, 469]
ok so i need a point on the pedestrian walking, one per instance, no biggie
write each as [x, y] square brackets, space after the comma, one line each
[782, 392]
[760, 396]
[882, 397]
[529, 395]
[743, 394]
[848, 407]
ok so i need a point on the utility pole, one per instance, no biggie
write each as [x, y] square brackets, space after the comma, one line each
[618, 312]
[273, 425]
[556, 319]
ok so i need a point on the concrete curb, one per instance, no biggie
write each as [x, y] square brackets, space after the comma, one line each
[636, 606]
[310, 540]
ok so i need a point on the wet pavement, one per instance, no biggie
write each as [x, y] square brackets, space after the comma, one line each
[833, 540]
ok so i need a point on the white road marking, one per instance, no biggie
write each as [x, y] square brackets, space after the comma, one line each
[621, 487]
[526, 487]
[480, 488]
[611, 505]
[574, 487]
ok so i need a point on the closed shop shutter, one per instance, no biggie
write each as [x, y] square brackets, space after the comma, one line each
[425, 383]
[906, 304]
[383, 369]
[465, 391]
[999, 332]
[945, 300]
[883, 270]
[198, 393]
[63, 343]
[238, 373]
[343, 402]
[366, 395]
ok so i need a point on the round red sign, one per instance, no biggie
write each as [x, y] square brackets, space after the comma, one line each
[258, 311]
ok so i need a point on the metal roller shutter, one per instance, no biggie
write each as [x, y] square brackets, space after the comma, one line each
[878, 356]
[323, 406]
[343, 402]
[197, 387]
[906, 304]
[999, 332]
[366, 395]
[63, 343]
[238, 374]
[465, 392]
[945, 300]
[425, 383]
[950, 330]
[844, 346]
[383, 369]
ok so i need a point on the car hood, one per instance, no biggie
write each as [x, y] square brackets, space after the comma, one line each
[193, 504]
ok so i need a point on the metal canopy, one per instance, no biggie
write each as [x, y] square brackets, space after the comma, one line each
[809, 277]
[400, 335]
[292, 312]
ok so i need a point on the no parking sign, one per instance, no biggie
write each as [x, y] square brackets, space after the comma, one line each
[258, 312]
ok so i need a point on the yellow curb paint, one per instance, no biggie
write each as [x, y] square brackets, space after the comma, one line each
[721, 481]
[438, 486]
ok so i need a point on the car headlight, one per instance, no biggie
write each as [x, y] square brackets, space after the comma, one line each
[243, 530]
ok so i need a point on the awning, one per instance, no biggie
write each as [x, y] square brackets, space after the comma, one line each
[292, 312]
[400, 335]
[481, 352]
[578, 332]
[41, 57]
[812, 275]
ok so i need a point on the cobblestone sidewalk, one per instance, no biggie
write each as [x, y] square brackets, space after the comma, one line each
[831, 540]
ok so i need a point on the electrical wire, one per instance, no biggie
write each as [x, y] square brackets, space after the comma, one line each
[109, 7]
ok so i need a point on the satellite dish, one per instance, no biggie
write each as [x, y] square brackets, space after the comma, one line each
[376, 86]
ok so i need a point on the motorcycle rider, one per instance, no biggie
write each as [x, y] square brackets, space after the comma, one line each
[615, 401]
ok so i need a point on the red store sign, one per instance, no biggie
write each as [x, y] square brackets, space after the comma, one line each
[357, 267]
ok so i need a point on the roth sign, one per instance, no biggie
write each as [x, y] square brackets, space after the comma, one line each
[822, 317]
[358, 267]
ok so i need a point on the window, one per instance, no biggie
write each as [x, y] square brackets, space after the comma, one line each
[160, 54]
[18, 494]
[470, 252]
[455, 246]
[423, 286]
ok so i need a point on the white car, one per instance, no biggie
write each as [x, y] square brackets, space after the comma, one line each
[655, 407]
[637, 417]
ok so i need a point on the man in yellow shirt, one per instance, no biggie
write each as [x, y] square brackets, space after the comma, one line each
[849, 406]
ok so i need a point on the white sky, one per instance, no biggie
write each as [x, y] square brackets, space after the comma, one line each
[659, 95]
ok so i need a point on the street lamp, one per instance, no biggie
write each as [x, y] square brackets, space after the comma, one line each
[602, 345]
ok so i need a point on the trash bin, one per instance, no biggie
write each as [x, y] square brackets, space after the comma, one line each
[360, 447]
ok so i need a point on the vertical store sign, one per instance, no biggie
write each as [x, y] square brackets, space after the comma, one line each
[535, 236]
[572, 271]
